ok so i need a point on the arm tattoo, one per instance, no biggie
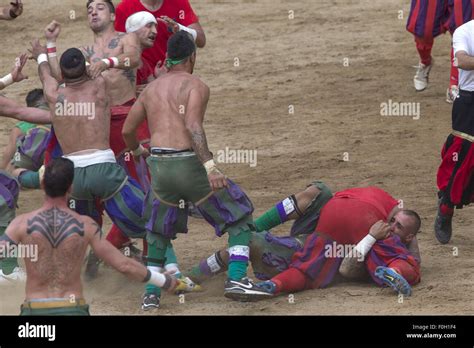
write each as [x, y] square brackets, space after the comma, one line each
[55, 225]
[61, 98]
[114, 42]
[199, 141]
[89, 51]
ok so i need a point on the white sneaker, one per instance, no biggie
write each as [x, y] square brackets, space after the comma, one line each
[451, 94]
[18, 275]
[421, 78]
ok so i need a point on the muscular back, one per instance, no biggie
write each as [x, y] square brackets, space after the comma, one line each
[62, 237]
[81, 116]
[166, 101]
[121, 82]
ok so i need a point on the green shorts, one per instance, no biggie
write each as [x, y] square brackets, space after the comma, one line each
[179, 179]
[306, 223]
[25, 126]
[271, 255]
[122, 196]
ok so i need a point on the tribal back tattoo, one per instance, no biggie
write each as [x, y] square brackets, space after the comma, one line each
[55, 225]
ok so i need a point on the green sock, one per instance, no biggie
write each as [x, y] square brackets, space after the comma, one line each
[156, 251]
[29, 179]
[268, 220]
[238, 268]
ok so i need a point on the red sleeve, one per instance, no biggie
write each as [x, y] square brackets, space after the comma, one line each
[290, 280]
[186, 15]
[120, 18]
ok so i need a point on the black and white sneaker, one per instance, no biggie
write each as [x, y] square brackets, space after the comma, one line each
[244, 290]
[150, 301]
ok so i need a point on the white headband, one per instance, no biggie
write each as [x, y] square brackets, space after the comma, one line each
[138, 20]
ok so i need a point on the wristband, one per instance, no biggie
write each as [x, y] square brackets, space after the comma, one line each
[189, 30]
[7, 80]
[364, 246]
[210, 166]
[138, 151]
[111, 62]
[51, 46]
[42, 58]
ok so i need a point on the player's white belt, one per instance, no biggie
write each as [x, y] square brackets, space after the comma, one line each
[87, 158]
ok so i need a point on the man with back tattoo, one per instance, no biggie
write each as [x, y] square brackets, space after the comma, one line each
[61, 237]
[182, 168]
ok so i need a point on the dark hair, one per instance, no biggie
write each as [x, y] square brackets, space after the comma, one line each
[34, 97]
[73, 64]
[415, 216]
[108, 2]
[58, 177]
[180, 46]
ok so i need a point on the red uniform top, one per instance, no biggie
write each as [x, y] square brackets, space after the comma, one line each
[349, 215]
[178, 10]
[145, 71]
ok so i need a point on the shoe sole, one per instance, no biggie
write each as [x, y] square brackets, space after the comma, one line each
[404, 288]
[149, 308]
[246, 297]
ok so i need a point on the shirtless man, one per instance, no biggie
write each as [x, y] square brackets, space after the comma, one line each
[116, 56]
[182, 168]
[11, 12]
[61, 237]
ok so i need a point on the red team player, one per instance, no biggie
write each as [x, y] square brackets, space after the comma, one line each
[426, 21]
[346, 220]
[173, 15]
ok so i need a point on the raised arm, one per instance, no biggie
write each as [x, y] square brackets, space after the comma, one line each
[50, 84]
[11, 12]
[11, 109]
[16, 74]
[51, 33]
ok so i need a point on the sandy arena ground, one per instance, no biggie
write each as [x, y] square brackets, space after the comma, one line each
[337, 110]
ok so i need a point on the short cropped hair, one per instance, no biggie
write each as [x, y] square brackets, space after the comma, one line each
[108, 2]
[58, 177]
[34, 97]
[181, 45]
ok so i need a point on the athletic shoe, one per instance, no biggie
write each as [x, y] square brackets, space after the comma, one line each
[150, 301]
[244, 290]
[421, 78]
[452, 93]
[186, 285]
[394, 280]
[92, 267]
[18, 275]
[443, 227]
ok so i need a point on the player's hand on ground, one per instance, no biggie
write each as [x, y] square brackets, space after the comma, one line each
[171, 24]
[16, 8]
[217, 180]
[160, 69]
[96, 69]
[380, 230]
[20, 62]
[37, 49]
[51, 32]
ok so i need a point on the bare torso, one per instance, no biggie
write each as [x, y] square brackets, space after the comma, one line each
[121, 82]
[61, 237]
[165, 101]
[83, 120]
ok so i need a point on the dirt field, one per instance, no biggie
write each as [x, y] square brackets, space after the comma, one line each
[337, 109]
